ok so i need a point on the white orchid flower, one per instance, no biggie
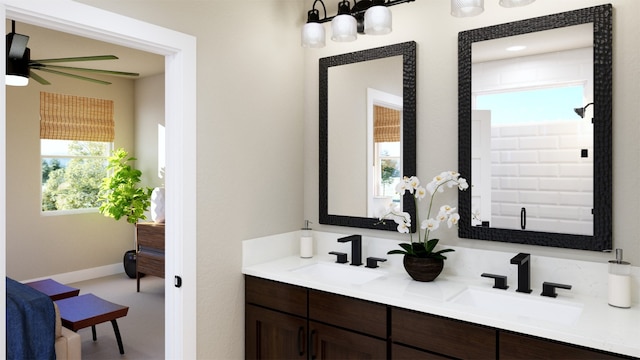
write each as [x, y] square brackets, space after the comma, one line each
[420, 193]
[462, 184]
[447, 209]
[430, 224]
[403, 185]
[414, 182]
[404, 228]
[453, 220]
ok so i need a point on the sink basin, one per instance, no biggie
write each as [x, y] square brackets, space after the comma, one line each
[521, 305]
[338, 273]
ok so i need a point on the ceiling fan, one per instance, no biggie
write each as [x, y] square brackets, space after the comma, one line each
[20, 67]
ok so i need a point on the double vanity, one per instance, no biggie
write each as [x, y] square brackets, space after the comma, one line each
[339, 310]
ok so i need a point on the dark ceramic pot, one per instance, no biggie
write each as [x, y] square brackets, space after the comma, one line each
[129, 263]
[422, 269]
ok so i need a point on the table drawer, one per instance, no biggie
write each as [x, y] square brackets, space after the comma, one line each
[150, 264]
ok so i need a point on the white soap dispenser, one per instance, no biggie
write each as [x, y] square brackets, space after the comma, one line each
[619, 282]
[306, 241]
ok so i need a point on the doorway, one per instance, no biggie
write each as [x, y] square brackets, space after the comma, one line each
[180, 92]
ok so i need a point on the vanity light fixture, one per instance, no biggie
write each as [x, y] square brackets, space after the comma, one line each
[365, 17]
[466, 8]
[344, 26]
[580, 111]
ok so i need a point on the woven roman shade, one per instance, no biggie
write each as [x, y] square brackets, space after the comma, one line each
[386, 124]
[68, 117]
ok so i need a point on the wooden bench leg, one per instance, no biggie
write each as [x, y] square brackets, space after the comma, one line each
[118, 338]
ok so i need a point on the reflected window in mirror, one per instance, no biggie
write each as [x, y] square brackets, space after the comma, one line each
[367, 134]
[540, 172]
[384, 144]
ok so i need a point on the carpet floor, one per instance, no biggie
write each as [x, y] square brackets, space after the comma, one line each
[142, 330]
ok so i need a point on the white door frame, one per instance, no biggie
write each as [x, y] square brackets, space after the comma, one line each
[180, 98]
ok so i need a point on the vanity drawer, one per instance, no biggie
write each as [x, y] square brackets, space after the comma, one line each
[516, 346]
[350, 313]
[443, 336]
[276, 295]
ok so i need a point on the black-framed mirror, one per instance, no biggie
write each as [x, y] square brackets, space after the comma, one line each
[557, 191]
[355, 88]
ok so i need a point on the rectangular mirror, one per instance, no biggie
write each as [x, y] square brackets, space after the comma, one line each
[535, 130]
[367, 134]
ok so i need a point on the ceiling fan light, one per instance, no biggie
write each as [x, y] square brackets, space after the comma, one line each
[515, 3]
[344, 28]
[377, 20]
[16, 80]
[313, 35]
[466, 8]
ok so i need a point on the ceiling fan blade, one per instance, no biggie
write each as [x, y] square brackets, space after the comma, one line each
[79, 58]
[109, 72]
[38, 78]
[75, 76]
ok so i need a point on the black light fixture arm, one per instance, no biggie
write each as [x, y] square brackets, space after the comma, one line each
[314, 15]
[358, 7]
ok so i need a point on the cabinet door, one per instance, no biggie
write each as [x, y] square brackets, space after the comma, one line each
[515, 346]
[274, 335]
[442, 336]
[328, 342]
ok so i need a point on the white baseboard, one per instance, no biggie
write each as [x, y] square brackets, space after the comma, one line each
[85, 274]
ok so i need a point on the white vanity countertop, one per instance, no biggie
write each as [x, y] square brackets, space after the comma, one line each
[598, 326]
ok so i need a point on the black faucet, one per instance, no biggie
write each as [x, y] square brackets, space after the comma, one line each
[356, 248]
[524, 273]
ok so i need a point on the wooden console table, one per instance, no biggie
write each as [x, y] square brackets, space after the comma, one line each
[150, 257]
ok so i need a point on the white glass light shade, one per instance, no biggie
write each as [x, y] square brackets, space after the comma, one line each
[313, 35]
[515, 3]
[16, 80]
[377, 20]
[465, 8]
[344, 28]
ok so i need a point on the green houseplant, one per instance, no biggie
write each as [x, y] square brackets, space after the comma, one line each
[421, 260]
[121, 196]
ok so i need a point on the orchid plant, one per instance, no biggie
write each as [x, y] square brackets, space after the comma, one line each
[424, 246]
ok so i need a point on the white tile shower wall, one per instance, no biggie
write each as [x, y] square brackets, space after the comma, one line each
[545, 175]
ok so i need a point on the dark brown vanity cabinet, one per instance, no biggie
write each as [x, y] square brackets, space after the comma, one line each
[289, 322]
[421, 336]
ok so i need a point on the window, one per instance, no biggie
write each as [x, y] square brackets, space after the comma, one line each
[553, 103]
[386, 142]
[76, 138]
[72, 172]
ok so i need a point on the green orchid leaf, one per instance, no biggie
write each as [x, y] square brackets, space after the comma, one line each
[431, 244]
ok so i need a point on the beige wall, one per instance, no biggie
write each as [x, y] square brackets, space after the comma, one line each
[149, 115]
[39, 245]
[435, 31]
